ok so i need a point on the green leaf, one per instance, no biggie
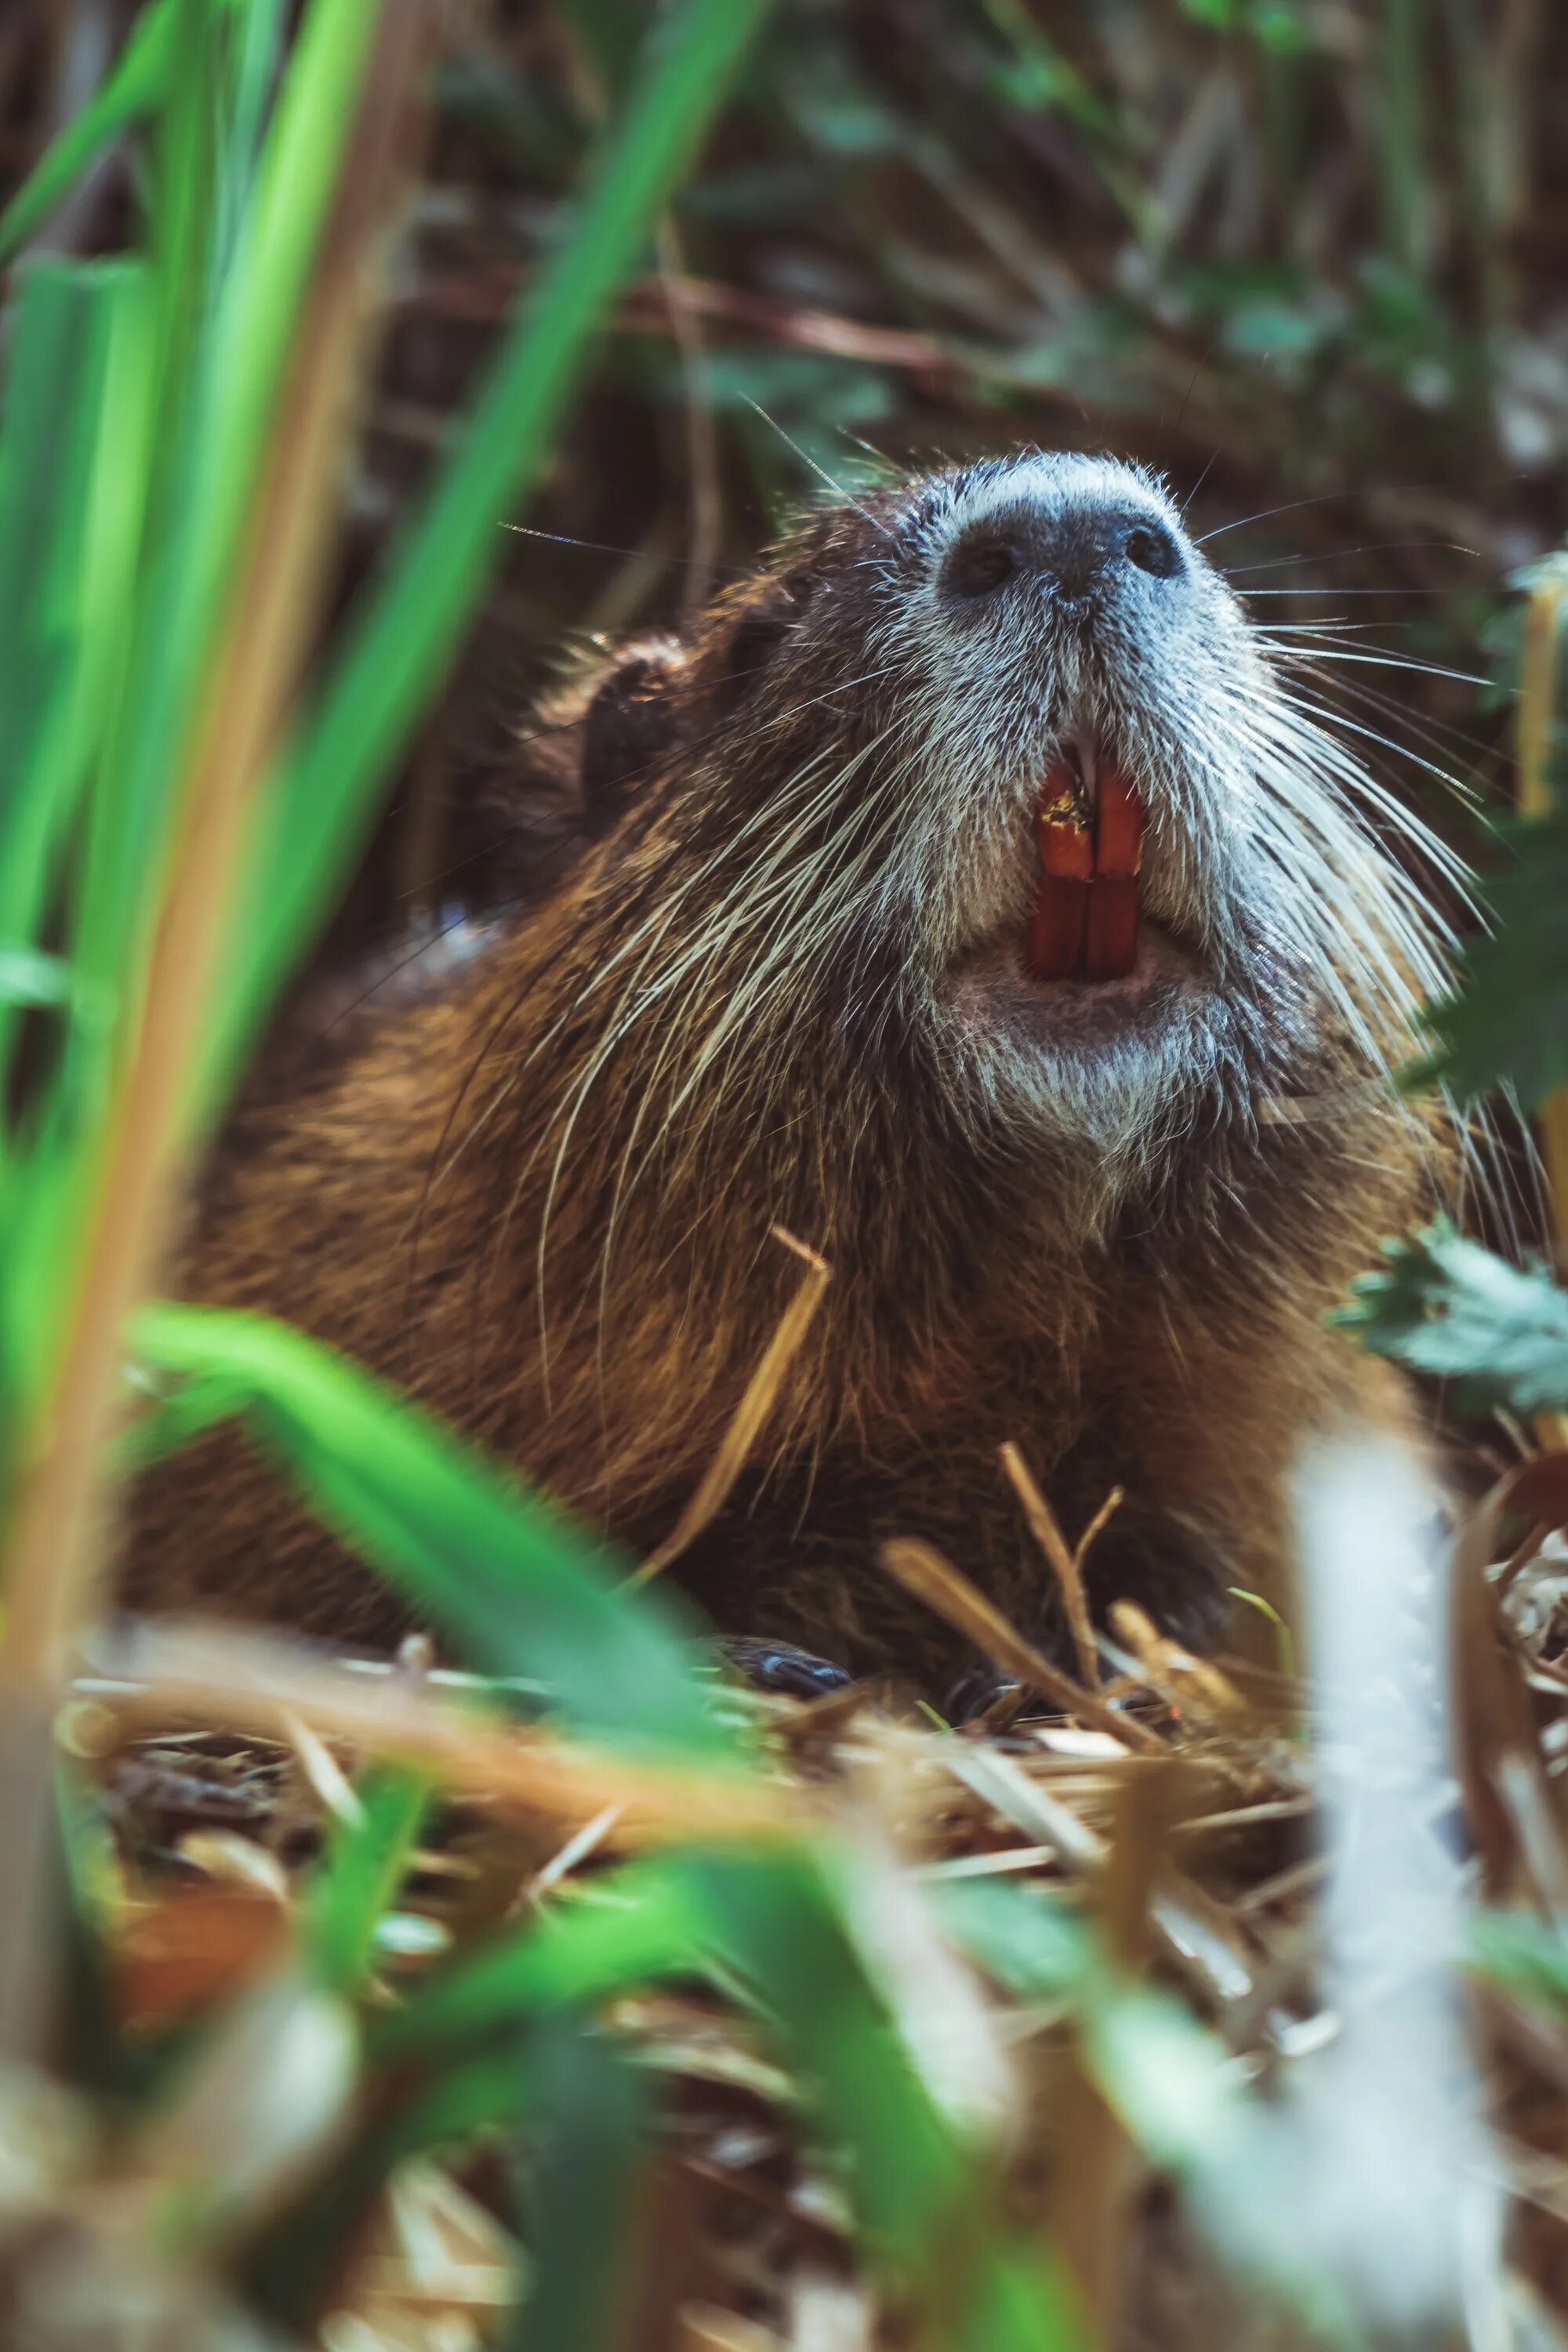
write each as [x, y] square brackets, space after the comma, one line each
[63, 559]
[1447, 1307]
[1525, 1953]
[595, 2110]
[1506, 1020]
[1031, 1944]
[649, 1921]
[1168, 2078]
[912, 2179]
[1021, 2300]
[404, 636]
[358, 1881]
[296, 2262]
[523, 1589]
[129, 93]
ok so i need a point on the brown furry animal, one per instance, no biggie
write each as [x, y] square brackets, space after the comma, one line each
[787, 984]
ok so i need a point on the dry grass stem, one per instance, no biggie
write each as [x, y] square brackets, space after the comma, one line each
[1195, 1932]
[1066, 1564]
[1195, 1684]
[172, 1675]
[762, 1390]
[922, 1570]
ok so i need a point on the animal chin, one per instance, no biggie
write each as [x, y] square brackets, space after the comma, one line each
[1089, 823]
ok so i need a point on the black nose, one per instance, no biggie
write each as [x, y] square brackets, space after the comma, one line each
[1075, 551]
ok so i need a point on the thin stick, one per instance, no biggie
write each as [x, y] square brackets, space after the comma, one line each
[924, 1571]
[1196, 1685]
[757, 1402]
[1097, 1527]
[1065, 1566]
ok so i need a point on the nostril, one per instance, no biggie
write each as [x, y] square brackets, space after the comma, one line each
[1153, 550]
[980, 564]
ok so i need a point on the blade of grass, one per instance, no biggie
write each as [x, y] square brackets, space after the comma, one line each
[127, 95]
[522, 1589]
[326, 788]
[658, 1925]
[595, 2110]
[358, 1881]
[229, 317]
[65, 550]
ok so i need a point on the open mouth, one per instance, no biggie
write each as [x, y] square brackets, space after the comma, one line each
[1090, 827]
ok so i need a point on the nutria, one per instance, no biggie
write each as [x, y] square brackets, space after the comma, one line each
[1090, 1141]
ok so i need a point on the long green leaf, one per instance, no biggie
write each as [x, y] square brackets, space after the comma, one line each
[595, 2110]
[655, 1923]
[127, 95]
[402, 642]
[57, 509]
[228, 315]
[915, 2183]
[359, 1878]
[522, 1589]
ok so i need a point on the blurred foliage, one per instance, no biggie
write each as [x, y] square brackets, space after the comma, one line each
[1306, 259]
[1448, 1307]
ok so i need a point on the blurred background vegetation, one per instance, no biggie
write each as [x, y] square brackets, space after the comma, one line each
[1308, 257]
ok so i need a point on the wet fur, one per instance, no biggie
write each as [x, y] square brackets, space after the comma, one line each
[539, 1192]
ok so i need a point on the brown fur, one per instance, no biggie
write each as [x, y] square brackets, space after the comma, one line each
[394, 1204]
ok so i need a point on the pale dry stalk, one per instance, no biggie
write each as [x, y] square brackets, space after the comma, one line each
[756, 1404]
[930, 1577]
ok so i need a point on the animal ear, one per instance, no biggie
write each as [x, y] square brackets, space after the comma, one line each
[760, 631]
[627, 727]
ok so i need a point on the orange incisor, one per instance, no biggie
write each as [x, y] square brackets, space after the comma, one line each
[1085, 924]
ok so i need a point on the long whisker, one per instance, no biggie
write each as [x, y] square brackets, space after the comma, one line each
[820, 471]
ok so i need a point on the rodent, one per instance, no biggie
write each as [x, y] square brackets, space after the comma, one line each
[788, 982]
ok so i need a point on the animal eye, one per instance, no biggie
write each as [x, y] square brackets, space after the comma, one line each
[980, 564]
[755, 640]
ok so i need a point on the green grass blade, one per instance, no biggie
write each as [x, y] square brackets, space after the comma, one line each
[656, 1925]
[299, 2260]
[232, 237]
[520, 1588]
[911, 2175]
[69, 456]
[400, 646]
[62, 332]
[358, 1881]
[129, 93]
[596, 2110]
[227, 316]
